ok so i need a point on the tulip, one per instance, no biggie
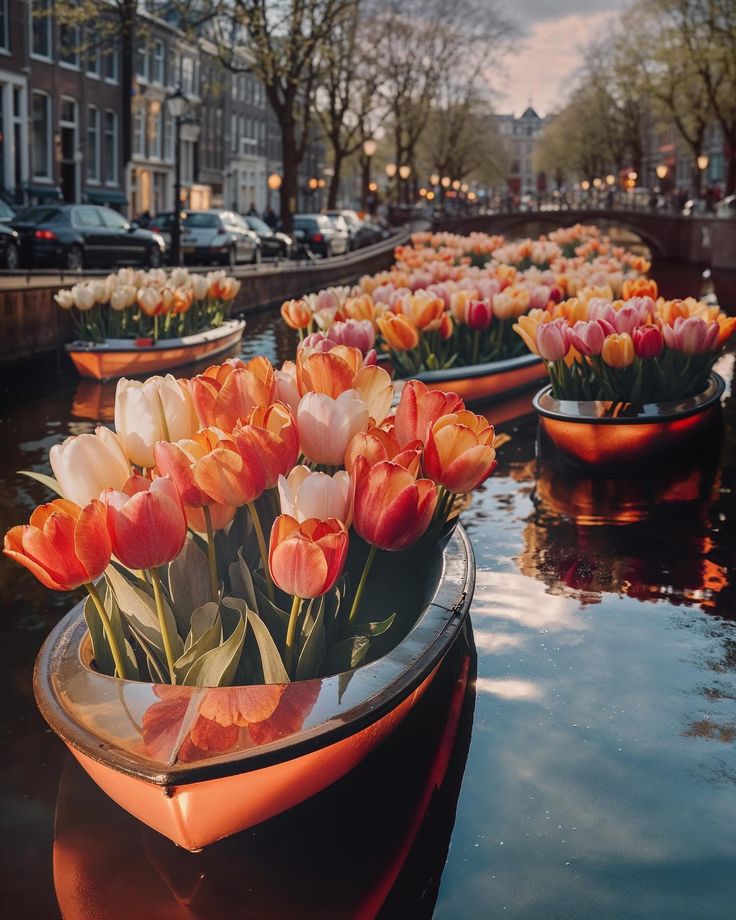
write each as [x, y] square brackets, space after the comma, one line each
[359, 308]
[83, 297]
[329, 372]
[691, 336]
[459, 302]
[327, 425]
[640, 287]
[446, 327]
[587, 338]
[305, 560]
[225, 393]
[304, 494]
[200, 287]
[65, 299]
[618, 350]
[648, 341]
[552, 340]
[459, 452]
[285, 386]
[424, 311]
[66, 546]
[88, 463]
[159, 409]
[123, 297]
[626, 319]
[147, 529]
[419, 408]
[398, 331]
[149, 300]
[375, 387]
[377, 444]
[296, 314]
[357, 333]
[479, 314]
[271, 433]
[511, 302]
[526, 327]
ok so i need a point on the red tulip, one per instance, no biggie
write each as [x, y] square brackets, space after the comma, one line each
[145, 521]
[271, 433]
[226, 393]
[419, 408]
[64, 546]
[391, 509]
[459, 453]
[648, 341]
[478, 314]
[306, 559]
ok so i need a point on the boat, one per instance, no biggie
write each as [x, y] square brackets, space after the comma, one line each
[483, 383]
[175, 759]
[128, 358]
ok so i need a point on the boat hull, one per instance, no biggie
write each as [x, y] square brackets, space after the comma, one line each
[484, 383]
[111, 360]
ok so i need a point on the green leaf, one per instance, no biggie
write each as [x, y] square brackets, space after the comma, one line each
[273, 668]
[345, 655]
[189, 584]
[104, 661]
[276, 619]
[45, 480]
[217, 668]
[205, 635]
[375, 628]
[139, 610]
[241, 581]
[156, 661]
[314, 647]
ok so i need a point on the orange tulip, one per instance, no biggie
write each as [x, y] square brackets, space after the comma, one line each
[419, 408]
[63, 545]
[726, 327]
[271, 434]
[446, 327]
[359, 307]
[398, 331]
[229, 475]
[307, 559]
[376, 445]
[224, 394]
[330, 372]
[459, 452]
[423, 310]
[145, 521]
[296, 314]
[618, 350]
[391, 509]
[640, 287]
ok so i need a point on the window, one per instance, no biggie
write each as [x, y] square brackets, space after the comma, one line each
[41, 118]
[69, 43]
[168, 135]
[139, 129]
[154, 130]
[4, 26]
[141, 63]
[159, 51]
[93, 55]
[111, 147]
[86, 217]
[187, 75]
[110, 65]
[112, 219]
[41, 29]
[93, 144]
[234, 133]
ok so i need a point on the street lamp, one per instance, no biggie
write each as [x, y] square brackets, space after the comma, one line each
[662, 171]
[703, 162]
[446, 182]
[610, 179]
[177, 106]
[434, 179]
[274, 183]
[404, 171]
[369, 148]
[391, 170]
[456, 185]
[585, 185]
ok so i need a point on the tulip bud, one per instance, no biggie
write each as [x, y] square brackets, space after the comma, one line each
[618, 350]
[65, 299]
[83, 297]
[648, 341]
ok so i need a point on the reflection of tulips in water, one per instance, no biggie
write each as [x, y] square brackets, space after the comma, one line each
[227, 719]
[405, 794]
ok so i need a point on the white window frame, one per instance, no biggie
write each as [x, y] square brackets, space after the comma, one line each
[48, 175]
[77, 64]
[144, 77]
[158, 60]
[115, 151]
[93, 179]
[49, 33]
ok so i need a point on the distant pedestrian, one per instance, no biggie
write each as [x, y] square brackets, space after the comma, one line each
[252, 211]
[271, 217]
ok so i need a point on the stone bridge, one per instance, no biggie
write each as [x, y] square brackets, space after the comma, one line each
[703, 240]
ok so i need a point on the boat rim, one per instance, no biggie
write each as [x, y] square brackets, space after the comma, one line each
[416, 657]
[211, 334]
[470, 371]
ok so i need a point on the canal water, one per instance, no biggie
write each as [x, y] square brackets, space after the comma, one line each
[592, 771]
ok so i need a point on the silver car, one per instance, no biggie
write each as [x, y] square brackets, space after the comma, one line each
[218, 236]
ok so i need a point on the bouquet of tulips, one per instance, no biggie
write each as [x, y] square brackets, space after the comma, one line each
[155, 304]
[226, 529]
[439, 308]
[638, 349]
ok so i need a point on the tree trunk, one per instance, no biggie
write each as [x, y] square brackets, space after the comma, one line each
[335, 180]
[127, 45]
[290, 179]
[730, 169]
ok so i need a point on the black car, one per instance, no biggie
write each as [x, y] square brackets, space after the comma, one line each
[9, 248]
[369, 233]
[319, 234]
[273, 243]
[76, 236]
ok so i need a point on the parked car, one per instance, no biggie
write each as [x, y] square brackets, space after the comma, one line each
[340, 224]
[9, 247]
[369, 233]
[161, 223]
[80, 235]
[347, 221]
[218, 236]
[273, 242]
[694, 206]
[6, 212]
[319, 235]
[726, 207]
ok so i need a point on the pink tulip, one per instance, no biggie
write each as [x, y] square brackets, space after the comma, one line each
[587, 338]
[691, 336]
[539, 297]
[327, 425]
[552, 340]
[626, 319]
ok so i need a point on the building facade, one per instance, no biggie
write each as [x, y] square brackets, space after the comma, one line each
[520, 136]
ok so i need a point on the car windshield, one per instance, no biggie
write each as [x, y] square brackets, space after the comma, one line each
[255, 223]
[6, 212]
[197, 220]
[38, 215]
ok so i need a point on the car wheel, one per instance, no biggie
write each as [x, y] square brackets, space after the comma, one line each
[232, 257]
[74, 261]
[328, 251]
[155, 257]
[257, 256]
[12, 255]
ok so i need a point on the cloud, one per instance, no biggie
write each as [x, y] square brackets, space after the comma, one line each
[549, 53]
[526, 11]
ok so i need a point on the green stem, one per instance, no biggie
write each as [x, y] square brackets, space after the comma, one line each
[262, 549]
[117, 655]
[291, 634]
[361, 584]
[158, 597]
[211, 557]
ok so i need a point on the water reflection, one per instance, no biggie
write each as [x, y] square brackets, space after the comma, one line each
[375, 842]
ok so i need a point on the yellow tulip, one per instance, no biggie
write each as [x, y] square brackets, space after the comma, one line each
[618, 350]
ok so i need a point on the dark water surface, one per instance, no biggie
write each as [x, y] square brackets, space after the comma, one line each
[591, 774]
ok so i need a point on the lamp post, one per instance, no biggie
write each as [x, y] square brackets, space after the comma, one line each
[404, 173]
[369, 148]
[391, 170]
[702, 162]
[273, 182]
[177, 105]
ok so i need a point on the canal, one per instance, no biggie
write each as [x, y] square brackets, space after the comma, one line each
[593, 772]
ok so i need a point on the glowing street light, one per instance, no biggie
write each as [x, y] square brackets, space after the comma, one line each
[369, 147]
[434, 179]
[430, 196]
[610, 179]
[274, 182]
[391, 169]
[404, 171]
[446, 182]
[585, 185]
[662, 171]
[703, 161]
[456, 185]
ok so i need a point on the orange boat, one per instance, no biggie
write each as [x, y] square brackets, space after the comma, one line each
[482, 383]
[198, 764]
[123, 358]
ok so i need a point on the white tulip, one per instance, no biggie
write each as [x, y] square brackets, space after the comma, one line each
[327, 425]
[159, 409]
[286, 386]
[87, 464]
[65, 299]
[304, 494]
[83, 297]
[200, 286]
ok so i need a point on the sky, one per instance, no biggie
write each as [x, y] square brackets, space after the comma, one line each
[553, 33]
